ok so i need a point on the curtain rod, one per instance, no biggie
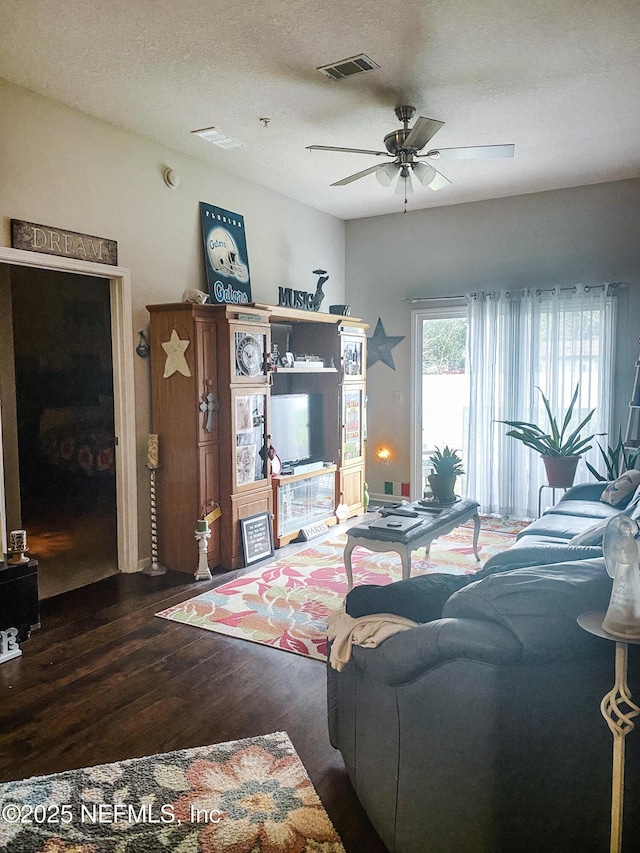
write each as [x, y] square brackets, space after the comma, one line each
[538, 291]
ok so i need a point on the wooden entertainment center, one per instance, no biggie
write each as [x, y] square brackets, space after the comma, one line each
[213, 378]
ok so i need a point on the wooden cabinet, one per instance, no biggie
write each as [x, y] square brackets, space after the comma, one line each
[212, 383]
[337, 375]
[210, 416]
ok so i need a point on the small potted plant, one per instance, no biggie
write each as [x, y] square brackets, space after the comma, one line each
[446, 467]
[560, 451]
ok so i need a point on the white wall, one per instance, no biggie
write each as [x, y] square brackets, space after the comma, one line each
[63, 168]
[588, 234]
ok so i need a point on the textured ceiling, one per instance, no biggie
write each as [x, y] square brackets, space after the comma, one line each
[559, 78]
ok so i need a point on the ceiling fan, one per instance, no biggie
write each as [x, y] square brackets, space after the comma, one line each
[403, 146]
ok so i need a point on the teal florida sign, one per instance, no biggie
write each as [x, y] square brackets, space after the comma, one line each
[225, 255]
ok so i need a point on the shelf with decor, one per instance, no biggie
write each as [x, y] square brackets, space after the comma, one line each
[334, 385]
[314, 369]
[632, 433]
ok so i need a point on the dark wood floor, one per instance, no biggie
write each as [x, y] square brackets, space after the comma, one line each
[104, 680]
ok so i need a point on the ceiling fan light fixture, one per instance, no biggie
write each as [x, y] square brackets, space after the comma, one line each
[424, 173]
[385, 174]
[404, 186]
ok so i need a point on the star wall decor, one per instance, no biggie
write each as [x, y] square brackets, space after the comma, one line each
[176, 361]
[380, 346]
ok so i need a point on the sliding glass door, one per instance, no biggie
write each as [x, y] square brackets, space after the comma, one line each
[440, 386]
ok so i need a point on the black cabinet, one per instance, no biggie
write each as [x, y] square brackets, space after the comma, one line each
[19, 598]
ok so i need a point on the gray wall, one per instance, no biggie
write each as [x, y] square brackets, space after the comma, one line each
[63, 168]
[587, 234]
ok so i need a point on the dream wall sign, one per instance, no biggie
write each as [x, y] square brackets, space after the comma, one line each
[225, 255]
[66, 244]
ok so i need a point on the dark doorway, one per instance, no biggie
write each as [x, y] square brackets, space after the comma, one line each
[65, 425]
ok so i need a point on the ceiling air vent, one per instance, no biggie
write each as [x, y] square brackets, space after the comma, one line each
[212, 134]
[348, 67]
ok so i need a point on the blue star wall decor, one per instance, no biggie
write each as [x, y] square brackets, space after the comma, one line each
[380, 346]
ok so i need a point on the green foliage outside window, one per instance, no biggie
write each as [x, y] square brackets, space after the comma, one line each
[443, 346]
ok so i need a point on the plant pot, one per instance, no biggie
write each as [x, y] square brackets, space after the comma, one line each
[442, 488]
[561, 470]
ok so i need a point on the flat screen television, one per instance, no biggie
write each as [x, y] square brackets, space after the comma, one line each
[296, 428]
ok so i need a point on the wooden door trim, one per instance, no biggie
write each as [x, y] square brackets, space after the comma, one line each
[123, 387]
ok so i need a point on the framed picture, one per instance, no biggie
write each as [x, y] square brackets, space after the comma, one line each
[245, 464]
[287, 359]
[257, 537]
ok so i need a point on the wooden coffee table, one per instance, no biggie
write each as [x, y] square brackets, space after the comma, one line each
[432, 525]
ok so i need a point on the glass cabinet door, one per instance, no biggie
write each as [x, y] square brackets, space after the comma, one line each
[250, 346]
[352, 355]
[249, 426]
[305, 501]
[353, 423]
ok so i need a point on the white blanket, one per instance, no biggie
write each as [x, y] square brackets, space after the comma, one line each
[344, 631]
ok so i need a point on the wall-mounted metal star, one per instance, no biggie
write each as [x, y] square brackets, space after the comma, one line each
[176, 360]
[380, 346]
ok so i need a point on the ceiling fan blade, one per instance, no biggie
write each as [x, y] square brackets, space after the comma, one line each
[348, 150]
[356, 176]
[438, 181]
[421, 132]
[472, 152]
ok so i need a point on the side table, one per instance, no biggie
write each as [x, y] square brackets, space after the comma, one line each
[19, 607]
[553, 494]
[618, 718]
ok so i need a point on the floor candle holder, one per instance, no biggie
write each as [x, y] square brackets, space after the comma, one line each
[203, 534]
[155, 568]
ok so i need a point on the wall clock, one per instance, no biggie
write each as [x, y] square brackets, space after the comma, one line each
[248, 355]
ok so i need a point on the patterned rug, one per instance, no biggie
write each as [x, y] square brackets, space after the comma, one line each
[246, 796]
[286, 603]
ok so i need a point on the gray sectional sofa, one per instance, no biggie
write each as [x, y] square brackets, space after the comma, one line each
[549, 538]
[479, 730]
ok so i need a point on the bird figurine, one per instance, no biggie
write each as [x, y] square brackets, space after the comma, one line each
[318, 296]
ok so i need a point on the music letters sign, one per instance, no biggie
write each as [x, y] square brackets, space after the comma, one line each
[66, 244]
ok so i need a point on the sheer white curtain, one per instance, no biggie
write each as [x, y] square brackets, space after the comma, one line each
[553, 339]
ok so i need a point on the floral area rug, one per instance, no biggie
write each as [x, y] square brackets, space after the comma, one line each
[246, 796]
[286, 603]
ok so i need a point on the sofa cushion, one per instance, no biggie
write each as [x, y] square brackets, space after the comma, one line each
[621, 489]
[540, 551]
[559, 526]
[539, 605]
[584, 509]
[592, 535]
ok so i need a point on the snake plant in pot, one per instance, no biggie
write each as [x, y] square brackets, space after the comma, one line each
[446, 467]
[560, 449]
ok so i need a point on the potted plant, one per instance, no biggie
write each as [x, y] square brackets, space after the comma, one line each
[560, 452]
[617, 459]
[446, 467]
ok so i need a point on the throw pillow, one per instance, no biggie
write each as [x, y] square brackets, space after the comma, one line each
[592, 535]
[616, 492]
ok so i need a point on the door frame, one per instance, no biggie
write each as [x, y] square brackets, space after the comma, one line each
[123, 389]
[438, 309]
